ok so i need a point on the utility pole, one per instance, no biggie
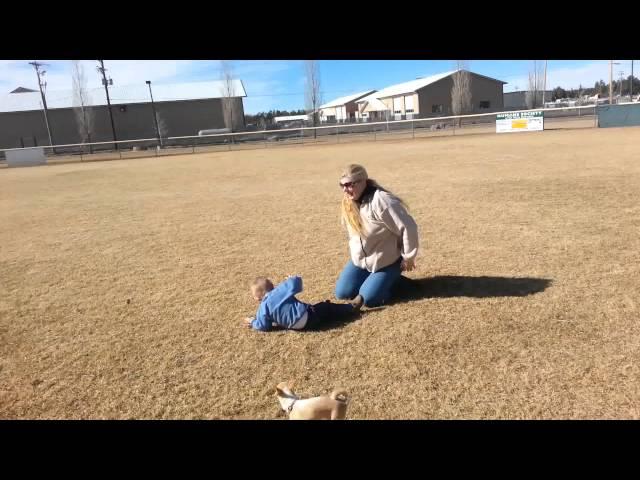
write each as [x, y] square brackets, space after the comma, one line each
[106, 83]
[621, 77]
[544, 88]
[631, 84]
[610, 82]
[42, 84]
[611, 64]
[155, 115]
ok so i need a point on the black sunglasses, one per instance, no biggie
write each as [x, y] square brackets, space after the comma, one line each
[349, 184]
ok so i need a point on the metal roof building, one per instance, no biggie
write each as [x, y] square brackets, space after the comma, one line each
[183, 109]
[428, 97]
[123, 95]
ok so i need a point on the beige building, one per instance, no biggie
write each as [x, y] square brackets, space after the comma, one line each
[428, 97]
[341, 109]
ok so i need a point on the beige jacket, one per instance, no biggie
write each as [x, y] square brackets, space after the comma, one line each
[389, 232]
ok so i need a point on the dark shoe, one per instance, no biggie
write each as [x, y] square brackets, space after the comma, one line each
[357, 303]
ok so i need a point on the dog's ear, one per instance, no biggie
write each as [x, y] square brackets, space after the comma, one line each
[280, 389]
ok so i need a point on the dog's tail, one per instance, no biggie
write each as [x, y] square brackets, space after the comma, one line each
[340, 395]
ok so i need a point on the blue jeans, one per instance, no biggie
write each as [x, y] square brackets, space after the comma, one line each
[375, 288]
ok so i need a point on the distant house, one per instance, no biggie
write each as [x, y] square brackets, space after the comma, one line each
[341, 109]
[518, 100]
[429, 97]
[291, 119]
[22, 90]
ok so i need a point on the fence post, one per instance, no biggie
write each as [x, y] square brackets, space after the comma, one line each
[265, 140]
[337, 134]
[413, 129]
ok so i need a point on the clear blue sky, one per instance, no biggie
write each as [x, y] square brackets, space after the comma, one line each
[280, 84]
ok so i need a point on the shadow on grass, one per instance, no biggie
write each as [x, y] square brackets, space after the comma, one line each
[336, 323]
[408, 289]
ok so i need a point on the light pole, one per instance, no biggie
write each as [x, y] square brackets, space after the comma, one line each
[155, 116]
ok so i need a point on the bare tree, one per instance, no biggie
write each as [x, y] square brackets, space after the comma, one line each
[312, 90]
[533, 97]
[228, 93]
[461, 90]
[163, 130]
[82, 103]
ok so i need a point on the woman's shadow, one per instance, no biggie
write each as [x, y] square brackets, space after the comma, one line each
[446, 286]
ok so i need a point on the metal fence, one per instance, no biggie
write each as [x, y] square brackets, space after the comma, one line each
[568, 117]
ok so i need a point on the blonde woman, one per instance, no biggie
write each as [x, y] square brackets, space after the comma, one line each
[383, 239]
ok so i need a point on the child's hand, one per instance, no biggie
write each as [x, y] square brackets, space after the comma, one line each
[407, 265]
[247, 322]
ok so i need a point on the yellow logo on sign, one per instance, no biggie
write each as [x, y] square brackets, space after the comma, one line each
[519, 123]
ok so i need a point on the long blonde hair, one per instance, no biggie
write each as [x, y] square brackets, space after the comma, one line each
[350, 209]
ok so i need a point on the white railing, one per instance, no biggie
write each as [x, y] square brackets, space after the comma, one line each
[343, 130]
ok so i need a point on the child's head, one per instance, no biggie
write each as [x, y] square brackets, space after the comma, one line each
[260, 287]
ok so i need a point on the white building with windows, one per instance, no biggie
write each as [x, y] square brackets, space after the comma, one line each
[343, 109]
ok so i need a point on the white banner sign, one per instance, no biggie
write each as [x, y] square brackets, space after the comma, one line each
[520, 122]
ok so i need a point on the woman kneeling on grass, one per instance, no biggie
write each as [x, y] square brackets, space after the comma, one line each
[383, 239]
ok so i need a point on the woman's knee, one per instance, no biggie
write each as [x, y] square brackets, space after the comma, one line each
[345, 291]
[376, 293]
[375, 299]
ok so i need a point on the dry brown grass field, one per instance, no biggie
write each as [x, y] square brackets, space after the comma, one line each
[123, 284]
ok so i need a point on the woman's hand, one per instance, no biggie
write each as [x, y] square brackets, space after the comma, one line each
[407, 265]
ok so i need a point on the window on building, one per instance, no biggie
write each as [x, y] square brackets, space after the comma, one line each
[437, 108]
[409, 110]
[397, 111]
[331, 118]
[485, 104]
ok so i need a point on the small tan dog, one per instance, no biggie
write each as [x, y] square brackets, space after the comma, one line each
[333, 407]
